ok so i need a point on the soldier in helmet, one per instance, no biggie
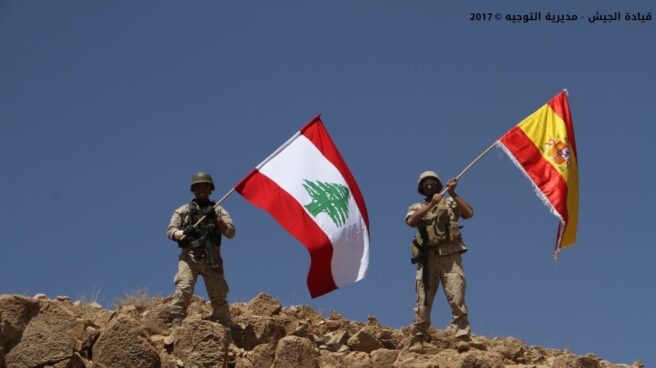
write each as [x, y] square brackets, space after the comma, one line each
[437, 250]
[200, 250]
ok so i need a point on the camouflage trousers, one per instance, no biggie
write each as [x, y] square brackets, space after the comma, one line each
[191, 264]
[448, 270]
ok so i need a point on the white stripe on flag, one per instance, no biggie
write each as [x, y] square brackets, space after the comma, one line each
[302, 160]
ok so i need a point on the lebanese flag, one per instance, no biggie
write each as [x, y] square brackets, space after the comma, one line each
[307, 187]
[544, 148]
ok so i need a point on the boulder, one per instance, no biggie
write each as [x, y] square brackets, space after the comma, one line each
[336, 340]
[267, 329]
[365, 340]
[572, 361]
[329, 359]
[511, 349]
[123, 344]
[481, 359]
[264, 305]
[357, 359]
[157, 319]
[384, 358]
[263, 355]
[415, 360]
[49, 337]
[201, 343]
[15, 313]
[354, 359]
[296, 352]
[243, 363]
[76, 361]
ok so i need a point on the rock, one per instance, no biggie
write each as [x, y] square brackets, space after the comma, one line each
[157, 319]
[414, 360]
[243, 363]
[169, 340]
[340, 360]
[49, 337]
[201, 343]
[59, 334]
[482, 359]
[263, 355]
[127, 308]
[85, 343]
[243, 335]
[123, 343]
[511, 349]
[329, 359]
[305, 313]
[95, 305]
[383, 358]
[267, 329]
[63, 298]
[356, 359]
[337, 340]
[572, 361]
[15, 313]
[40, 296]
[264, 305]
[167, 360]
[76, 361]
[296, 352]
[303, 330]
[425, 348]
[335, 316]
[157, 341]
[364, 340]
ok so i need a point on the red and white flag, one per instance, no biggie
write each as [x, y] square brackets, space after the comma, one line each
[307, 187]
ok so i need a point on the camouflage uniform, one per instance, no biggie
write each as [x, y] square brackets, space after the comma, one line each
[439, 230]
[194, 262]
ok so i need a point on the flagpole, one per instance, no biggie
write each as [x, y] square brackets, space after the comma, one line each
[481, 156]
[472, 164]
[274, 154]
[216, 205]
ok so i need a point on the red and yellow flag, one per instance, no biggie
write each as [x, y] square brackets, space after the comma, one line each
[543, 147]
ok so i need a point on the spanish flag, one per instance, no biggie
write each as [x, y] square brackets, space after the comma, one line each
[544, 148]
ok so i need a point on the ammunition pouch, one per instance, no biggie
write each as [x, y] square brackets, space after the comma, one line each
[419, 253]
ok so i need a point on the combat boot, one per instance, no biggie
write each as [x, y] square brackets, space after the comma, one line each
[417, 341]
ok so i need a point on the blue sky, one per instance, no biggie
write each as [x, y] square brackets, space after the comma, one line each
[108, 108]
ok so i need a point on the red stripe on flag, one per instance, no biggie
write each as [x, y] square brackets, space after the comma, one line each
[269, 196]
[541, 172]
[318, 135]
[560, 106]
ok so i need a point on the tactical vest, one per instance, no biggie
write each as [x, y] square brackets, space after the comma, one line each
[209, 233]
[439, 225]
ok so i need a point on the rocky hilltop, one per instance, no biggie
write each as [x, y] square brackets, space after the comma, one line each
[42, 332]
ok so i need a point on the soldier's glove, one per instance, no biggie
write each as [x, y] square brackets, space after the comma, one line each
[191, 232]
[209, 213]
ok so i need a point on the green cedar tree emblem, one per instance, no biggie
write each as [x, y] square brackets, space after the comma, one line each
[329, 198]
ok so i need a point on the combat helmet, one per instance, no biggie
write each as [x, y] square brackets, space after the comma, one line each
[425, 175]
[201, 177]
